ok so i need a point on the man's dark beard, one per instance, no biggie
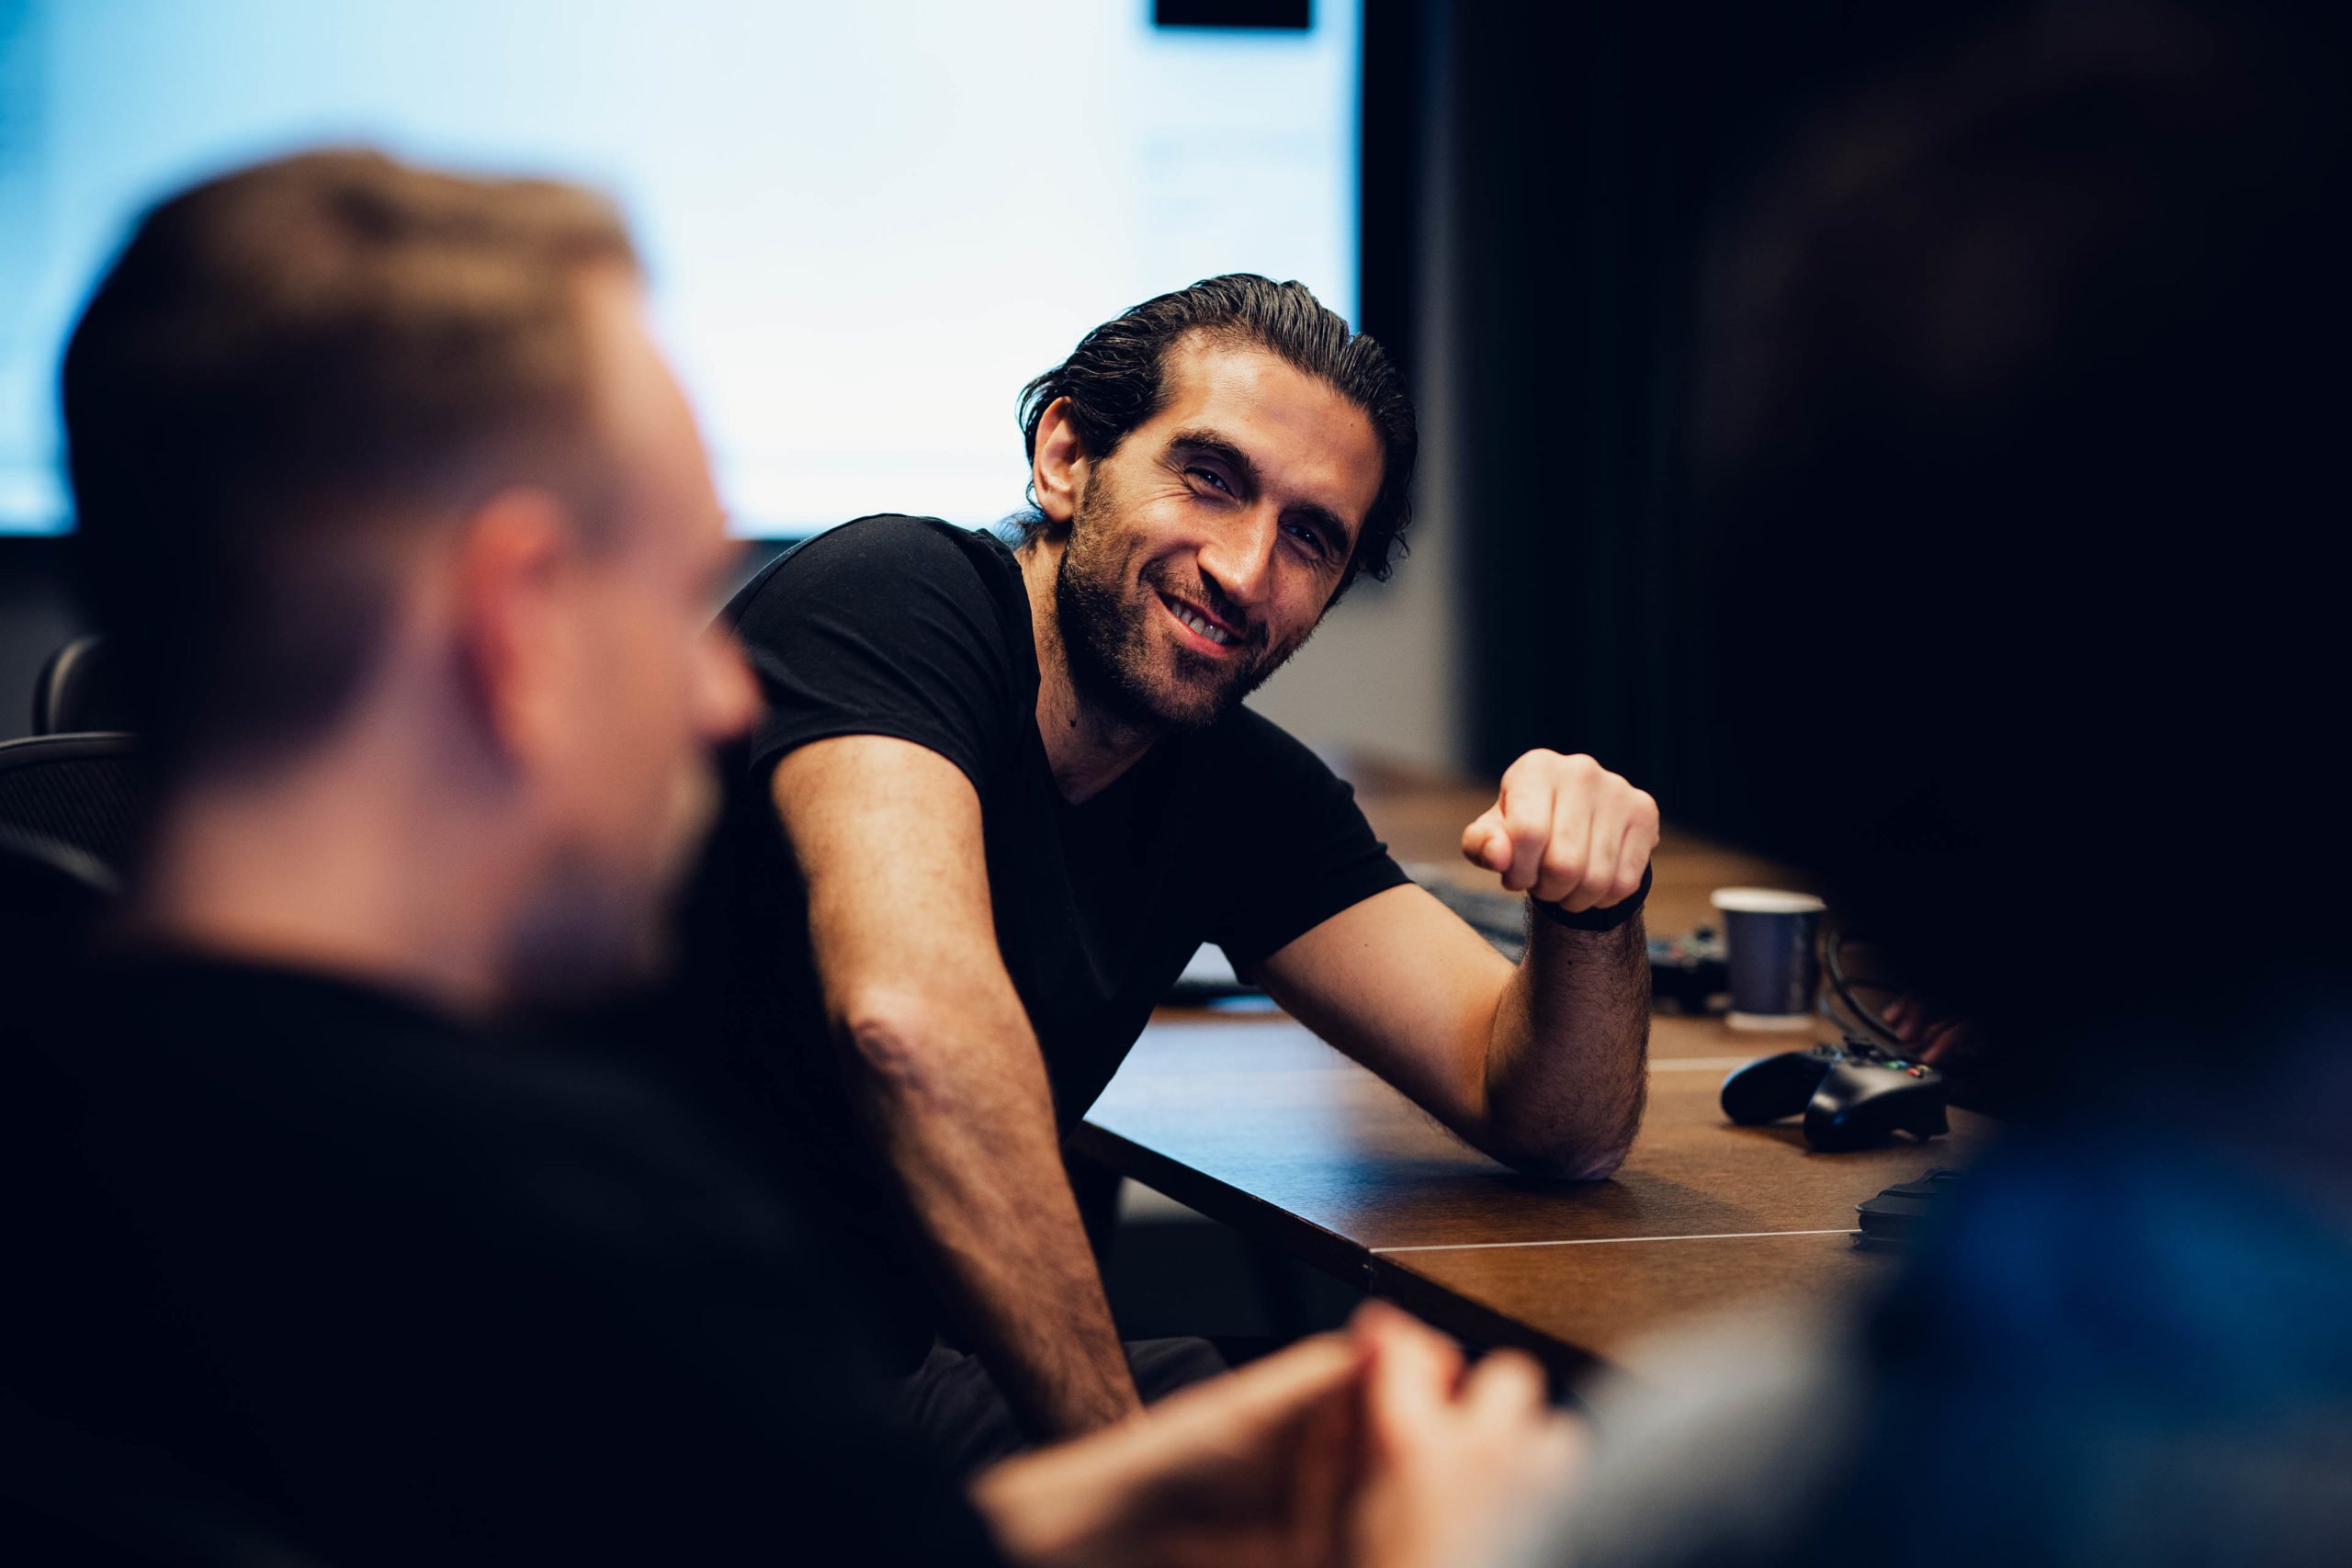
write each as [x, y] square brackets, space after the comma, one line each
[1099, 632]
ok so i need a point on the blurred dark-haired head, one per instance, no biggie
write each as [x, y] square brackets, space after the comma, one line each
[2026, 396]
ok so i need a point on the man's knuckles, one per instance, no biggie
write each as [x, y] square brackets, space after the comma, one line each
[1564, 882]
[1562, 868]
[1529, 767]
[1527, 811]
[1546, 767]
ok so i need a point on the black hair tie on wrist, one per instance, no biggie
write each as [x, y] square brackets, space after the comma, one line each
[1607, 919]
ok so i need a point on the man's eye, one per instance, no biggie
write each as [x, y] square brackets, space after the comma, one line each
[1212, 477]
[1308, 536]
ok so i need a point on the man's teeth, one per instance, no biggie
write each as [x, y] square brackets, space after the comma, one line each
[1215, 634]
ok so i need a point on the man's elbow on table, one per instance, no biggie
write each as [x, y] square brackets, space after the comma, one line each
[1568, 1162]
[1577, 1152]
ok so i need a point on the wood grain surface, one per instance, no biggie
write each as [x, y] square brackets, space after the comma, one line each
[1252, 1121]
[1608, 1300]
[1259, 1124]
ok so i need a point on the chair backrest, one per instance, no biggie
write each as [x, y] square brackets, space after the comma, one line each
[74, 693]
[83, 791]
[51, 873]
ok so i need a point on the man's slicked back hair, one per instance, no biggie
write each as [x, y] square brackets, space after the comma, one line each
[284, 370]
[1117, 378]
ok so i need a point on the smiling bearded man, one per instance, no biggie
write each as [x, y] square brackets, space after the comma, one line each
[1001, 795]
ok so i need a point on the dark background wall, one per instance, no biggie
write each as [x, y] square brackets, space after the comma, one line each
[1579, 162]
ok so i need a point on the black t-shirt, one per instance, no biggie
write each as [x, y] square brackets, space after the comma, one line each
[911, 627]
[297, 1260]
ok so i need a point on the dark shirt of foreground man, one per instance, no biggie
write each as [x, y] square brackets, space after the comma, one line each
[409, 1293]
[2031, 376]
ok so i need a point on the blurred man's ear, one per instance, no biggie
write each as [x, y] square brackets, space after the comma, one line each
[512, 634]
[1059, 471]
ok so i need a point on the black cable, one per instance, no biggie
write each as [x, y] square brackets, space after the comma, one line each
[1832, 944]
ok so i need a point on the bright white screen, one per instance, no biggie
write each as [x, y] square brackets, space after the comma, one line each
[868, 222]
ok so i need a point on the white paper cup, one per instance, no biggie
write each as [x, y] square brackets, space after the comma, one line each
[1772, 945]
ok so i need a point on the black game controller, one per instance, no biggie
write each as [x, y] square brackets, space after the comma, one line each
[1853, 1094]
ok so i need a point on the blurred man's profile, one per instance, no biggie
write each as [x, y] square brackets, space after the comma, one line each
[404, 540]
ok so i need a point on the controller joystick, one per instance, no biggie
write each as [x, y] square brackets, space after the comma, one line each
[1853, 1094]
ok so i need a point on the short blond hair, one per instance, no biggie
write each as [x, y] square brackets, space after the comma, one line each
[281, 359]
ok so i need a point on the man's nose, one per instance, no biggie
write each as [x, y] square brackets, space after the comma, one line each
[1239, 558]
[726, 698]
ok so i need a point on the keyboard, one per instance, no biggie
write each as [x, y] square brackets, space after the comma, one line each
[1686, 972]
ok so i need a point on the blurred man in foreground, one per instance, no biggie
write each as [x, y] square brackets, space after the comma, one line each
[406, 540]
[2031, 384]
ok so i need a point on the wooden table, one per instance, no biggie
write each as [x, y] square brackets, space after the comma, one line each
[1253, 1121]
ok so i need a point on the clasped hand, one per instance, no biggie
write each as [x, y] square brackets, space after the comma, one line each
[1381, 1448]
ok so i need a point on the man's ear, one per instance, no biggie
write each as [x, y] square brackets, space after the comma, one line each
[513, 637]
[1058, 473]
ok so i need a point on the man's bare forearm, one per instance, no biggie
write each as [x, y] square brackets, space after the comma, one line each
[943, 1065]
[1567, 1058]
[965, 1122]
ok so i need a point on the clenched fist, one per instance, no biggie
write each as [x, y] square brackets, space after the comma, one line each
[1567, 830]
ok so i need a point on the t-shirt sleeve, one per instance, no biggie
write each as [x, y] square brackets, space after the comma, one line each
[887, 626]
[1295, 844]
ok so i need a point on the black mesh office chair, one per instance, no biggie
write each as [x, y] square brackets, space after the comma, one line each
[70, 806]
[41, 879]
[74, 693]
[84, 793]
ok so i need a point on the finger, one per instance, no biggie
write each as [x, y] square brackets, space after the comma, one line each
[1624, 833]
[1486, 842]
[1527, 817]
[1556, 1452]
[1943, 1040]
[1567, 836]
[1504, 1390]
[1640, 844]
[1413, 1370]
[1271, 1388]
[1600, 886]
[1603, 839]
[1633, 852]
[1246, 1410]
[1389, 1332]
[1323, 1473]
